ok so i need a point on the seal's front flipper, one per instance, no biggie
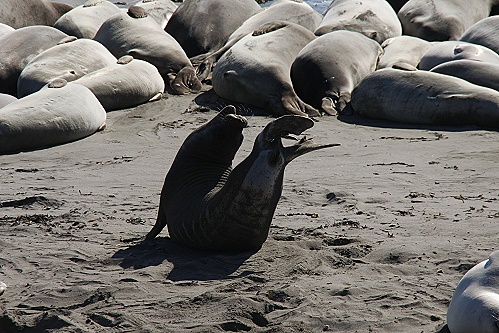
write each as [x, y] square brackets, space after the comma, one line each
[269, 27]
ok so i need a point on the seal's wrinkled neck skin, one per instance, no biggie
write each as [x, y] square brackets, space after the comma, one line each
[209, 206]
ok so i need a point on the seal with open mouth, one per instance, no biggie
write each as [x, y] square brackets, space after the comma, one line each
[207, 205]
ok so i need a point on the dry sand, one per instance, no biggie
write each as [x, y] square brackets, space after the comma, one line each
[371, 236]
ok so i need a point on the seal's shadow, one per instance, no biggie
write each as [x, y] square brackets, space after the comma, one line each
[188, 264]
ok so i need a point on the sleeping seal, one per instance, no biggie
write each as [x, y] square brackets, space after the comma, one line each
[57, 114]
[69, 61]
[441, 52]
[425, 98]
[474, 307]
[477, 72]
[256, 70]
[403, 51]
[160, 10]
[484, 32]
[135, 33]
[127, 83]
[19, 47]
[83, 21]
[327, 69]
[202, 26]
[374, 18]
[24, 13]
[292, 11]
[207, 205]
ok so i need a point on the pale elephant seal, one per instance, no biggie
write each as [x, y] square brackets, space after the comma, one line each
[256, 70]
[202, 26]
[19, 47]
[6, 99]
[127, 83]
[425, 98]
[292, 11]
[57, 114]
[484, 32]
[3, 287]
[5, 29]
[160, 10]
[135, 33]
[477, 72]
[403, 51]
[207, 205]
[69, 60]
[442, 52]
[326, 70]
[440, 20]
[18, 14]
[374, 18]
[474, 307]
[83, 21]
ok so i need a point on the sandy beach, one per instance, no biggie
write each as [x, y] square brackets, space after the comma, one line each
[371, 236]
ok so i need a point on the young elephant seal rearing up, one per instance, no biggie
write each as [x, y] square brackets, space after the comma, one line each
[207, 205]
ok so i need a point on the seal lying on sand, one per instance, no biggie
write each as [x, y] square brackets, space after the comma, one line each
[477, 72]
[57, 114]
[207, 205]
[426, 98]
[256, 69]
[474, 307]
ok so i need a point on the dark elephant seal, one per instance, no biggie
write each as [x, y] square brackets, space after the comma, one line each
[484, 33]
[292, 11]
[202, 26]
[441, 20]
[23, 13]
[19, 47]
[6, 99]
[160, 10]
[403, 51]
[256, 69]
[477, 72]
[426, 98]
[207, 205]
[83, 21]
[442, 52]
[69, 61]
[374, 18]
[135, 33]
[127, 83]
[474, 307]
[57, 114]
[327, 69]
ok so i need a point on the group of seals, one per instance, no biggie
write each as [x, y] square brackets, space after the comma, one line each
[207, 205]
[474, 307]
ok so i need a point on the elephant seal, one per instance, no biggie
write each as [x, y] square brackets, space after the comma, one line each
[441, 20]
[374, 18]
[69, 60]
[135, 33]
[474, 307]
[202, 26]
[24, 13]
[484, 33]
[19, 47]
[327, 69]
[83, 21]
[403, 51]
[127, 83]
[256, 69]
[292, 11]
[5, 29]
[6, 99]
[207, 205]
[160, 10]
[57, 114]
[442, 52]
[477, 72]
[425, 98]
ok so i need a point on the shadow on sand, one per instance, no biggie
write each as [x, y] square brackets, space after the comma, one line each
[188, 264]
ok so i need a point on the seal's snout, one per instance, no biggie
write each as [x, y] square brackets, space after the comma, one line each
[229, 114]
